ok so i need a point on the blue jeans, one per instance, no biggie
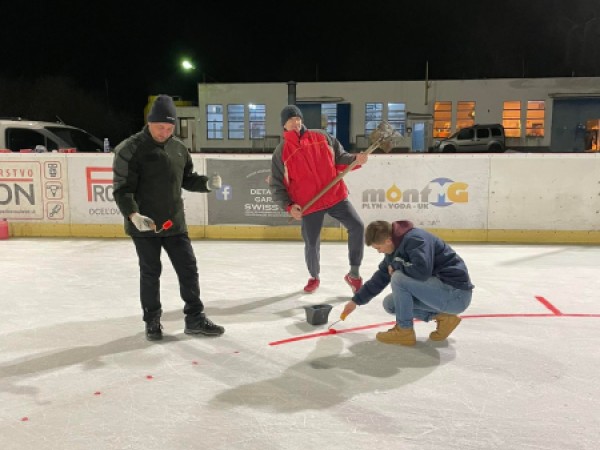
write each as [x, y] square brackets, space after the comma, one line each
[413, 299]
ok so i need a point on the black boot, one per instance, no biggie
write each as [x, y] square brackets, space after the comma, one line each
[200, 324]
[154, 329]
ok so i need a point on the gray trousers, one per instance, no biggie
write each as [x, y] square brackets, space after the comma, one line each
[312, 224]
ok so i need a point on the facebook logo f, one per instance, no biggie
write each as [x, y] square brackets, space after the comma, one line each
[224, 192]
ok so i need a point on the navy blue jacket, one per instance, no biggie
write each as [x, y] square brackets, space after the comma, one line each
[419, 255]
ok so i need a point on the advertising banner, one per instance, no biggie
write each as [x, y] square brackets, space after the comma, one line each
[245, 197]
[34, 188]
[92, 200]
[90, 184]
[429, 191]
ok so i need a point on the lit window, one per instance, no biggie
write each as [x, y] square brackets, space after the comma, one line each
[373, 117]
[256, 121]
[214, 122]
[235, 122]
[535, 118]
[465, 114]
[397, 117]
[442, 119]
[511, 118]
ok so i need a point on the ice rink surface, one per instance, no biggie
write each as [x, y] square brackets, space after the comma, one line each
[76, 372]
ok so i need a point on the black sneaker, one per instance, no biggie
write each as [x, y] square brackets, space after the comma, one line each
[202, 325]
[154, 330]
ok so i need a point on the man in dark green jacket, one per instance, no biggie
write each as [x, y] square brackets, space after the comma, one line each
[150, 169]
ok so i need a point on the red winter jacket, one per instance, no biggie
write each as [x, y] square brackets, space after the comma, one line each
[303, 164]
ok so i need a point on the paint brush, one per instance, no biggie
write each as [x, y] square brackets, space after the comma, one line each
[342, 317]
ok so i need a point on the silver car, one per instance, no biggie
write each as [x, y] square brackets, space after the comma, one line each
[478, 138]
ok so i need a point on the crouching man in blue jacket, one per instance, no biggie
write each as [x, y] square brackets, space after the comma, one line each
[429, 280]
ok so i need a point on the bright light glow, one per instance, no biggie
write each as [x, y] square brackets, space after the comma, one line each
[187, 65]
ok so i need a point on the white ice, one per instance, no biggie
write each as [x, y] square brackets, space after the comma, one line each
[520, 372]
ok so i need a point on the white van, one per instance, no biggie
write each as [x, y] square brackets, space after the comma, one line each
[18, 134]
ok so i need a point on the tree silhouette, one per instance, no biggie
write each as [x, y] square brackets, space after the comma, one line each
[56, 98]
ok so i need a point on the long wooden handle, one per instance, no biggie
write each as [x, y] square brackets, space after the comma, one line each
[341, 175]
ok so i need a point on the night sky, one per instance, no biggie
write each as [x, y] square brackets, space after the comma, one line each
[129, 49]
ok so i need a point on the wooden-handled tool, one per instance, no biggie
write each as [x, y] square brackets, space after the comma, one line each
[381, 137]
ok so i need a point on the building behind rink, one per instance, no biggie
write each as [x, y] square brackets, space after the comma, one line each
[539, 114]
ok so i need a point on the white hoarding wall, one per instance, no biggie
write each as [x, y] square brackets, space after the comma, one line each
[500, 192]
[545, 192]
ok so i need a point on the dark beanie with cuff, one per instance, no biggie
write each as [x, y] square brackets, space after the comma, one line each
[290, 111]
[163, 110]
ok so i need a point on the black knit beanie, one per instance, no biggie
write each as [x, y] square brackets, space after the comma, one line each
[290, 111]
[163, 110]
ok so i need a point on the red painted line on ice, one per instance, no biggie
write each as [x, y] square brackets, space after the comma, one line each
[548, 305]
[555, 312]
[328, 333]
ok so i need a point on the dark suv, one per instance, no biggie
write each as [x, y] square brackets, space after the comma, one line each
[478, 138]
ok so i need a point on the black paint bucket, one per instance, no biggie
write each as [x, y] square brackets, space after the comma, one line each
[317, 314]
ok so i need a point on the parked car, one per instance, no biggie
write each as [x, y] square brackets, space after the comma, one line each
[477, 138]
[18, 134]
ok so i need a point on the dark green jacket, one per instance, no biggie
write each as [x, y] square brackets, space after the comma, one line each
[148, 178]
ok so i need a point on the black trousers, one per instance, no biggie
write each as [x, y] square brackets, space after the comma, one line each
[180, 252]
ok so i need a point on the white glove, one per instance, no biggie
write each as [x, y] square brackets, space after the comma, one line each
[214, 182]
[142, 223]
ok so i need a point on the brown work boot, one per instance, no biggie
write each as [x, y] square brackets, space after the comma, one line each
[397, 335]
[446, 323]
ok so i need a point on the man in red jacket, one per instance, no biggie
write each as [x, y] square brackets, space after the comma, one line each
[302, 165]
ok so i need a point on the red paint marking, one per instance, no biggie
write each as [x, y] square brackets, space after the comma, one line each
[555, 312]
[195, 363]
[483, 316]
[24, 419]
[149, 377]
[548, 305]
[97, 393]
[328, 333]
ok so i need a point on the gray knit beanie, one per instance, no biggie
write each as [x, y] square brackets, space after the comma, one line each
[163, 110]
[290, 111]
